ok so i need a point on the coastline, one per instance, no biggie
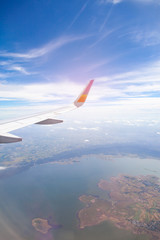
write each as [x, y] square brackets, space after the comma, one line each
[107, 153]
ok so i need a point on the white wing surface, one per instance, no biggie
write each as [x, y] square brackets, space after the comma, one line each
[43, 118]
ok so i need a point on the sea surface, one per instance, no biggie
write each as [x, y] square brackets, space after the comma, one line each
[51, 191]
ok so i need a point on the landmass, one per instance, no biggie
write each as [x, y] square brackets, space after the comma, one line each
[131, 203]
[41, 225]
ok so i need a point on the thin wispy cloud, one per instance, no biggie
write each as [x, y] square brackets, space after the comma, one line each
[78, 14]
[146, 38]
[49, 47]
[10, 67]
[148, 1]
[143, 83]
[21, 63]
[110, 1]
[150, 73]
[19, 69]
[138, 1]
[4, 75]
[106, 18]
[103, 36]
[94, 65]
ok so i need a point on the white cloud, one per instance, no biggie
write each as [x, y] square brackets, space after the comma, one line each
[39, 52]
[137, 83]
[77, 122]
[18, 69]
[72, 129]
[110, 1]
[90, 129]
[138, 1]
[146, 75]
[39, 92]
[134, 91]
[8, 67]
[144, 82]
[146, 37]
[148, 1]
[97, 122]
[4, 75]
[2, 168]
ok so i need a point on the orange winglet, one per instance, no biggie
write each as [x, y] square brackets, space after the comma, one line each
[83, 96]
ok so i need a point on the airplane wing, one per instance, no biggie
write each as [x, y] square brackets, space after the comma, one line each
[43, 118]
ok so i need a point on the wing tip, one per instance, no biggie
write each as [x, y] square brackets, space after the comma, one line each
[83, 96]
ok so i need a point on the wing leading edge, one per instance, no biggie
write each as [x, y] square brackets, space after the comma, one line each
[43, 118]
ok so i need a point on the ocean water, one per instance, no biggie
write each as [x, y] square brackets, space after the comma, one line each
[51, 191]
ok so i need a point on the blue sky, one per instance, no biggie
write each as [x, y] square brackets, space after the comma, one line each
[50, 48]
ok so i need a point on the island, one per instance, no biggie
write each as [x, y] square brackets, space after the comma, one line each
[41, 225]
[131, 203]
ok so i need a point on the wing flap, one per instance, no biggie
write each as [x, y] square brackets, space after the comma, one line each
[50, 121]
[9, 138]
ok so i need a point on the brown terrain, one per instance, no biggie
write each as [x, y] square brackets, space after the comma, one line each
[41, 225]
[133, 204]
